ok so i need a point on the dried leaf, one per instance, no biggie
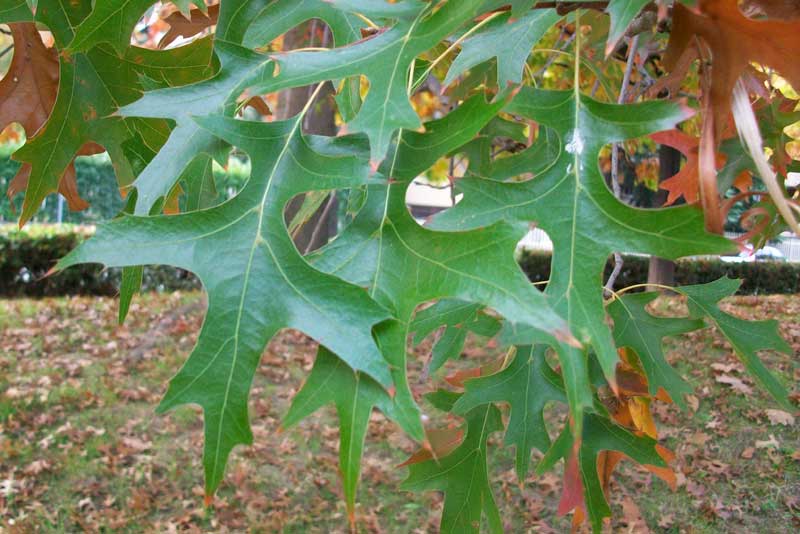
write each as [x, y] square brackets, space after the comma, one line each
[769, 443]
[735, 42]
[181, 26]
[735, 383]
[779, 417]
[28, 90]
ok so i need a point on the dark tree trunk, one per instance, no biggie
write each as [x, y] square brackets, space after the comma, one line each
[319, 120]
[662, 271]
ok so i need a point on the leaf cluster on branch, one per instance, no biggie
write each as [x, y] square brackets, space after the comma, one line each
[522, 98]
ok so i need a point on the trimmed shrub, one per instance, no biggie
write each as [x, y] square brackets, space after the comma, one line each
[763, 277]
[27, 255]
[97, 184]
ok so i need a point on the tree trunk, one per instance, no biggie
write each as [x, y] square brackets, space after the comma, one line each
[319, 120]
[660, 270]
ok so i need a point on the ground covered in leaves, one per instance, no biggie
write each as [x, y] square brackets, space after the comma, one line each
[82, 450]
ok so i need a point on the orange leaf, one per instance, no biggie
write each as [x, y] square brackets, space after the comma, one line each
[686, 182]
[572, 494]
[639, 409]
[458, 378]
[439, 443]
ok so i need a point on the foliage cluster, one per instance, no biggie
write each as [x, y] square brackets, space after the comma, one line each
[532, 140]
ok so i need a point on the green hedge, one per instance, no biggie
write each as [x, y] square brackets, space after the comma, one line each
[96, 182]
[765, 277]
[27, 255]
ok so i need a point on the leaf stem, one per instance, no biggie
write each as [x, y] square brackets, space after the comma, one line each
[633, 44]
[367, 20]
[637, 286]
[577, 79]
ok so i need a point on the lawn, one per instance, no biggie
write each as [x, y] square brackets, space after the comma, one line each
[81, 448]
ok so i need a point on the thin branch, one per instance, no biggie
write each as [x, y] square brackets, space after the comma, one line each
[323, 218]
[626, 80]
[560, 6]
[553, 58]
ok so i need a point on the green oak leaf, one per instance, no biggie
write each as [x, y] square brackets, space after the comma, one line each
[518, 7]
[527, 163]
[459, 318]
[570, 200]
[276, 18]
[355, 395]
[636, 328]
[746, 337]
[257, 282]
[201, 192]
[92, 86]
[385, 59]
[384, 247]
[243, 22]
[131, 278]
[509, 42]
[622, 13]
[112, 22]
[381, 9]
[15, 11]
[463, 476]
[527, 384]
[159, 66]
[215, 95]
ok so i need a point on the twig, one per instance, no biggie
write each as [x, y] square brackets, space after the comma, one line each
[320, 222]
[452, 180]
[553, 58]
[626, 80]
[562, 7]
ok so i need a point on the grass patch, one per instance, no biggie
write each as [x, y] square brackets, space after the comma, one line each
[81, 448]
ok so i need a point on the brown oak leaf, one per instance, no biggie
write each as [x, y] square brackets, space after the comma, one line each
[28, 91]
[27, 96]
[735, 42]
[180, 26]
